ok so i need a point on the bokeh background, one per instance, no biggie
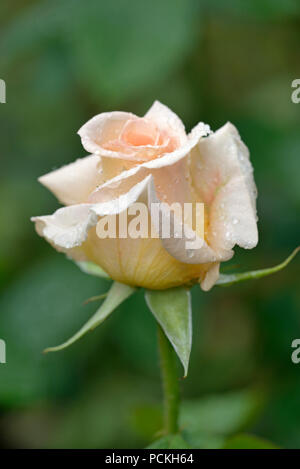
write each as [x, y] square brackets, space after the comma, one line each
[65, 61]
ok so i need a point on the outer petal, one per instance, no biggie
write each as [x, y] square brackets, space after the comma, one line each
[222, 176]
[139, 262]
[73, 183]
[178, 246]
[210, 277]
[167, 119]
[68, 227]
[102, 129]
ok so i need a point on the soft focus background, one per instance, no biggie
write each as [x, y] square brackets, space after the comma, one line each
[64, 61]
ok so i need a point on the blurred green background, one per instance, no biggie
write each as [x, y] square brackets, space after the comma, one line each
[65, 61]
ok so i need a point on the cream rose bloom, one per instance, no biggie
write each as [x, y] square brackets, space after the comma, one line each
[153, 159]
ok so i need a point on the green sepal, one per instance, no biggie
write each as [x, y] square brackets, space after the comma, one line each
[229, 279]
[92, 269]
[172, 309]
[116, 295]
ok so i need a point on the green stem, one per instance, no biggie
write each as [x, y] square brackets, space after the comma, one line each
[170, 383]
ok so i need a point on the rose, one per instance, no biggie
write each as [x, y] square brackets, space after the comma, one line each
[152, 158]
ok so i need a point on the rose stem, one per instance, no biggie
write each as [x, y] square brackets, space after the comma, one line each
[170, 383]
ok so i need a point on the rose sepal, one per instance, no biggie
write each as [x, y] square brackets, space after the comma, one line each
[118, 293]
[225, 280]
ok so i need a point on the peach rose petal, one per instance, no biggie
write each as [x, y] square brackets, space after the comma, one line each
[68, 227]
[140, 262]
[223, 177]
[124, 136]
[104, 128]
[169, 172]
[73, 183]
[167, 120]
[210, 277]
[140, 132]
[178, 247]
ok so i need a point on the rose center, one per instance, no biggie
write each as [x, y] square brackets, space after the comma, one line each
[140, 132]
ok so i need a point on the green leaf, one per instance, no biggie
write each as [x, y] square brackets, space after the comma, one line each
[172, 309]
[92, 269]
[226, 280]
[116, 295]
[170, 442]
[244, 441]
